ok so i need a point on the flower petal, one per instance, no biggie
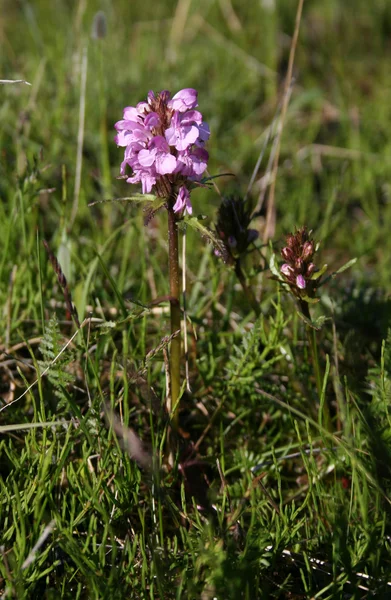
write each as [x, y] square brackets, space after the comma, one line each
[184, 99]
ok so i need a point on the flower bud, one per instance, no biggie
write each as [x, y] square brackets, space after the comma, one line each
[300, 282]
[286, 270]
[299, 269]
[308, 250]
[287, 254]
[290, 240]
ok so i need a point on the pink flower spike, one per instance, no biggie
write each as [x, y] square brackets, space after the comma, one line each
[183, 100]
[300, 282]
[163, 139]
[183, 201]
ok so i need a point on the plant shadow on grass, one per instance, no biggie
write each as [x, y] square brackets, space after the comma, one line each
[362, 317]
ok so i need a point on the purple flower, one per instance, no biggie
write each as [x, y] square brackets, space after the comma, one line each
[158, 156]
[204, 132]
[130, 132]
[164, 142]
[183, 131]
[152, 120]
[183, 201]
[144, 176]
[192, 163]
[184, 100]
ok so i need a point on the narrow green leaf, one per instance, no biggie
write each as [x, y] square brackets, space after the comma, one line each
[114, 286]
[136, 198]
[310, 300]
[273, 266]
[347, 265]
[317, 324]
[205, 232]
[319, 273]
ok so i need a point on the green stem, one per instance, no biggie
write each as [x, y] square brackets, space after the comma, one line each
[247, 290]
[311, 333]
[175, 354]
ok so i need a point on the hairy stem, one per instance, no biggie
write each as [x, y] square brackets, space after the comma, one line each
[175, 354]
[311, 333]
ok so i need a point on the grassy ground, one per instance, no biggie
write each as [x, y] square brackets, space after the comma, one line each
[79, 517]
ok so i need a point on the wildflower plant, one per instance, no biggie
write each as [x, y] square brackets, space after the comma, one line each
[299, 270]
[300, 274]
[164, 140]
[265, 497]
[303, 278]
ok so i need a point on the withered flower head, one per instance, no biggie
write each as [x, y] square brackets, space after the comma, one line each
[232, 227]
[299, 268]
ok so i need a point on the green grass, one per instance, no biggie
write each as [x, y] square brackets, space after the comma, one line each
[79, 517]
